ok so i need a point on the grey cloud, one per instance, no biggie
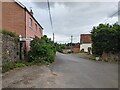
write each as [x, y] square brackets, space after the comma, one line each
[71, 18]
[43, 5]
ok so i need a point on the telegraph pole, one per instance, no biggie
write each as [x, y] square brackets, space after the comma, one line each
[71, 41]
[53, 37]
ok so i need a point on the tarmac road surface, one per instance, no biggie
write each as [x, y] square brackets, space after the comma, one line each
[68, 71]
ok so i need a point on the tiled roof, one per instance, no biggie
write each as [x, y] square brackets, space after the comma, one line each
[85, 38]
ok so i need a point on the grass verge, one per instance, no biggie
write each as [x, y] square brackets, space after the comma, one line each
[93, 57]
[86, 56]
[12, 65]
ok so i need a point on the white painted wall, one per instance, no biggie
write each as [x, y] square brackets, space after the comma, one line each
[85, 47]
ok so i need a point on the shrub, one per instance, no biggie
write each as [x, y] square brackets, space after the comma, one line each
[42, 50]
[5, 32]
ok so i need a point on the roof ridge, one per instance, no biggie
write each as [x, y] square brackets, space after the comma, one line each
[23, 6]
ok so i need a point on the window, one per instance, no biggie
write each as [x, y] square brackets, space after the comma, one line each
[40, 31]
[35, 26]
[30, 22]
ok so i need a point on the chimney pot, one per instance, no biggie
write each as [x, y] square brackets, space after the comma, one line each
[31, 11]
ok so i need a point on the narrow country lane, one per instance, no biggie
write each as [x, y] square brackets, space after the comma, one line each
[68, 71]
[81, 73]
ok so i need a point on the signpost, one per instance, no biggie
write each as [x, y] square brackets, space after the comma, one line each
[22, 40]
[25, 39]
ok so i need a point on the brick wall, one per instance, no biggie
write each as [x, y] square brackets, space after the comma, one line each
[16, 19]
[31, 32]
[76, 50]
[13, 18]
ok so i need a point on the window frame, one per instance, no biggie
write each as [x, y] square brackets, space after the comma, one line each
[35, 26]
[30, 22]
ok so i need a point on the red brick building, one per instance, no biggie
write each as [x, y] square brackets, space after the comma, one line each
[76, 48]
[85, 42]
[16, 18]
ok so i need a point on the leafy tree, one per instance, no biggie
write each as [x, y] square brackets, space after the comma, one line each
[106, 38]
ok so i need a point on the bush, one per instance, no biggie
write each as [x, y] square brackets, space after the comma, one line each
[5, 32]
[42, 50]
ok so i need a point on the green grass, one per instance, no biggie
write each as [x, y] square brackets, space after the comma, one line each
[10, 65]
[86, 56]
[19, 64]
[93, 57]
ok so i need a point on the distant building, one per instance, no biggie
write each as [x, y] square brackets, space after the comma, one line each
[76, 48]
[85, 42]
[16, 18]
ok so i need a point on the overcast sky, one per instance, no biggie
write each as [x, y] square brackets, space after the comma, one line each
[72, 18]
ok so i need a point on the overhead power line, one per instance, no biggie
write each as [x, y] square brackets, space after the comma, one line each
[71, 41]
[115, 13]
[50, 18]
[50, 14]
[110, 17]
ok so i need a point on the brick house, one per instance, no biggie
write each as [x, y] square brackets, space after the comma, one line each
[16, 18]
[85, 42]
[76, 48]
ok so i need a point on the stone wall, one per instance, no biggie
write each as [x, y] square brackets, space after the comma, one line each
[10, 49]
[110, 57]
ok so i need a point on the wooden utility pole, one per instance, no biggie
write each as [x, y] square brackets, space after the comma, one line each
[53, 37]
[71, 41]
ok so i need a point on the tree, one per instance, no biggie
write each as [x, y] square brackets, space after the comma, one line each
[106, 38]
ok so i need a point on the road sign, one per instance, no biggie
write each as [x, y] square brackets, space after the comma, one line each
[26, 39]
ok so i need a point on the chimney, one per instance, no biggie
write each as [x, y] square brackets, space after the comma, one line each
[31, 12]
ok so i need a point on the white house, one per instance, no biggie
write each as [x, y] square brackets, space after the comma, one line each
[85, 43]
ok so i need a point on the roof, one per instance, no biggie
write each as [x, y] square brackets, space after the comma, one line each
[85, 38]
[22, 6]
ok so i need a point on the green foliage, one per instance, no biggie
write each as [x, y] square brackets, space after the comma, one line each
[5, 32]
[42, 50]
[59, 47]
[106, 38]
[19, 65]
[11, 65]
